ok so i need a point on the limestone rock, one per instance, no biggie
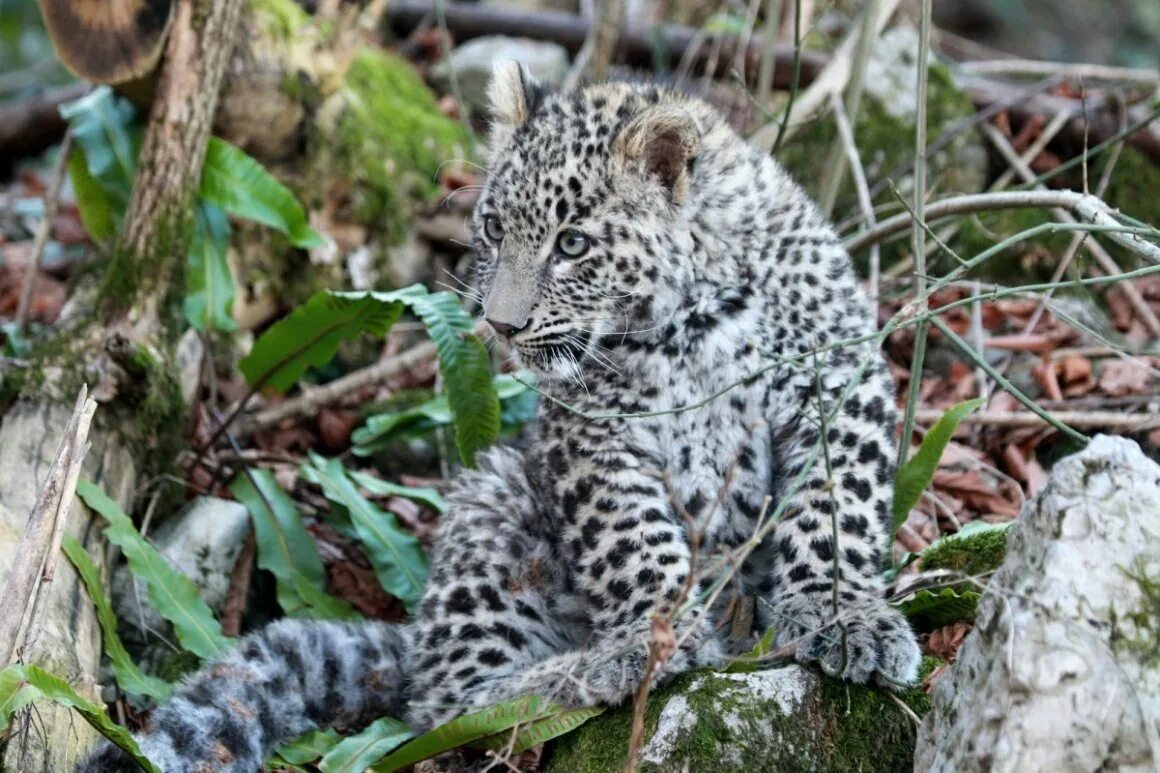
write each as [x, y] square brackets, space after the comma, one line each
[1062, 670]
[202, 543]
[472, 64]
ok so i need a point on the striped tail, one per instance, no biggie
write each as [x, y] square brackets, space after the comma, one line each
[278, 683]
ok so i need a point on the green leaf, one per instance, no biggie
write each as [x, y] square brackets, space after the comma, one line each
[385, 488]
[465, 730]
[397, 556]
[311, 334]
[541, 730]
[517, 407]
[242, 187]
[756, 658]
[174, 594]
[286, 550]
[209, 284]
[102, 126]
[928, 610]
[22, 684]
[96, 210]
[357, 752]
[309, 747]
[129, 676]
[914, 476]
[466, 370]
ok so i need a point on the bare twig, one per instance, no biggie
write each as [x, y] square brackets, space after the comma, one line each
[1106, 262]
[37, 554]
[308, 403]
[1088, 208]
[1114, 421]
[846, 134]
[1035, 68]
[51, 204]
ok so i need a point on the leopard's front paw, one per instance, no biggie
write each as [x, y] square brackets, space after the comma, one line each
[867, 640]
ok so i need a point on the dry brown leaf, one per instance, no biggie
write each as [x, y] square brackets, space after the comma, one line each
[945, 642]
[335, 427]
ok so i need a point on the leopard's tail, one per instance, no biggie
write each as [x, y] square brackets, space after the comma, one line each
[278, 683]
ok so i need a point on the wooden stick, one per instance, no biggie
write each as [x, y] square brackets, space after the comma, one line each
[308, 403]
[41, 542]
[1113, 421]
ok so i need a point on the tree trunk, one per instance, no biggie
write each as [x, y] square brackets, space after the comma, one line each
[127, 348]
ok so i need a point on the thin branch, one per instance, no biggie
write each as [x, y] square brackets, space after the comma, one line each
[1088, 208]
[846, 134]
[1069, 70]
[51, 204]
[308, 403]
[37, 553]
[1112, 421]
[1107, 263]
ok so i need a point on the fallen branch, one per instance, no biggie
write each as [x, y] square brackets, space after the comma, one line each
[1088, 208]
[36, 556]
[637, 46]
[1114, 421]
[308, 403]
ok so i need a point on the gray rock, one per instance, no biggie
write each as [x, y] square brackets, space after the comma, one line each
[1062, 669]
[202, 542]
[472, 64]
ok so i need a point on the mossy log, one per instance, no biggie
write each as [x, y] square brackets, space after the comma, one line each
[781, 719]
[123, 344]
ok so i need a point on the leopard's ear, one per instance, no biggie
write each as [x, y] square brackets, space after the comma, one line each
[514, 95]
[662, 142]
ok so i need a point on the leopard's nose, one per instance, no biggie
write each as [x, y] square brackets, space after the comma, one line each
[506, 329]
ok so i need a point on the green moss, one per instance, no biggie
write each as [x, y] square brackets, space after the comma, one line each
[1143, 636]
[281, 18]
[974, 552]
[837, 727]
[389, 141]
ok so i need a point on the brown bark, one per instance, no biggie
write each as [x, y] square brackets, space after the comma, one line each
[169, 168]
[138, 286]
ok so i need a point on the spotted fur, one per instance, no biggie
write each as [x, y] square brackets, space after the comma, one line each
[692, 267]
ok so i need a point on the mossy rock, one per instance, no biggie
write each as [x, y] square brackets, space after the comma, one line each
[357, 135]
[781, 719]
[381, 143]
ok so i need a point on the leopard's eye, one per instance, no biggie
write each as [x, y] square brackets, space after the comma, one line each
[492, 228]
[572, 244]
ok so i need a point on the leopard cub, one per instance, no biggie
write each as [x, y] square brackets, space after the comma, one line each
[700, 335]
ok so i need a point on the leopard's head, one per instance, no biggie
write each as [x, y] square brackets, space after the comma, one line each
[582, 233]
